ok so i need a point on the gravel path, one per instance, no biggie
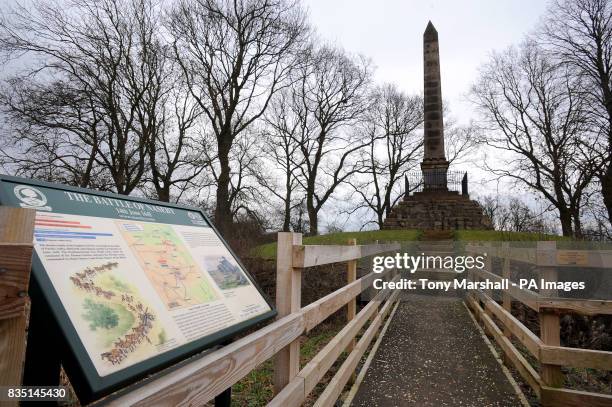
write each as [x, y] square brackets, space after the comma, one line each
[433, 355]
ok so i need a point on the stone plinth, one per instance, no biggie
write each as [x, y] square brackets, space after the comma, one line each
[440, 210]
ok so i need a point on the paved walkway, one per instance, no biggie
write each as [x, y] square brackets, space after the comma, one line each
[433, 355]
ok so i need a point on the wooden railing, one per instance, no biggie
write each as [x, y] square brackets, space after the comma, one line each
[16, 233]
[201, 380]
[546, 349]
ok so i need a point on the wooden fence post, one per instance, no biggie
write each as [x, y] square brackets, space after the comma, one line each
[16, 236]
[506, 298]
[351, 311]
[550, 327]
[288, 300]
[489, 268]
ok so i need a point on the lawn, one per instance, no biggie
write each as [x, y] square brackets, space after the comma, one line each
[498, 235]
[257, 388]
[268, 251]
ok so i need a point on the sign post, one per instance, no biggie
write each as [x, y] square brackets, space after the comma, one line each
[134, 285]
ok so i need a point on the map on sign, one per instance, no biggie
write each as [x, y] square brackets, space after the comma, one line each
[136, 289]
[134, 284]
[167, 263]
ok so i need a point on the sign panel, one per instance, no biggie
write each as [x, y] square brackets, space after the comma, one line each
[572, 257]
[134, 284]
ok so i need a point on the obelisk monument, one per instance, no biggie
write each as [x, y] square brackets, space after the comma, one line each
[440, 205]
[434, 166]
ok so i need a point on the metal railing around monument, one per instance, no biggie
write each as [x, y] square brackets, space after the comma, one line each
[437, 180]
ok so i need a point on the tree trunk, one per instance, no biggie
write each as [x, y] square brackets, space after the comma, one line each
[577, 226]
[312, 215]
[287, 221]
[606, 190]
[223, 210]
[163, 193]
[565, 217]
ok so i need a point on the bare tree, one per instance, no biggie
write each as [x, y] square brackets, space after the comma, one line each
[174, 153]
[580, 35]
[491, 208]
[234, 56]
[513, 215]
[284, 120]
[52, 133]
[460, 141]
[390, 126]
[99, 65]
[331, 91]
[537, 121]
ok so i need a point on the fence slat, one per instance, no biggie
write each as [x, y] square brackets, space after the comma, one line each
[575, 357]
[314, 371]
[201, 380]
[583, 307]
[526, 371]
[16, 236]
[574, 398]
[334, 387]
[527, 297]
[317, 255]
[318, 311]
[288, 300]
[522, 333]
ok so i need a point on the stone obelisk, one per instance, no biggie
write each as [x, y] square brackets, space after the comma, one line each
[434, 165]
[439, 205]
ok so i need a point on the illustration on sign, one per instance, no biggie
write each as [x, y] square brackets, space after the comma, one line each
[137, 280]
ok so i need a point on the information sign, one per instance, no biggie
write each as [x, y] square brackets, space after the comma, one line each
[133, 284]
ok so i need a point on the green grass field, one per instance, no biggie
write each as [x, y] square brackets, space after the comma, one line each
[498, 235]
[268, 251]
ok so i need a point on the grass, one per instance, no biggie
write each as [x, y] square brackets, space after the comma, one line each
[268, 251]
[495, 235]
[257, 388]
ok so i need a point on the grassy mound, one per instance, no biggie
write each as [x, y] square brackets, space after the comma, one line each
[499, 235]
[268, 251]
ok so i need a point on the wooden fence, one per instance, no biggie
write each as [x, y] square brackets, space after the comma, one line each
[201, 380]
[16, 232]
[546, 349]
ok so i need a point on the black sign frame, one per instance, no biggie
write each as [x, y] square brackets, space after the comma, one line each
[89, 386]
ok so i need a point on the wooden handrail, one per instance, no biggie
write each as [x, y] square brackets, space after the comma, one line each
[200, 380]
[306, 380]
[16, 237]
[539, 302]
[547, 355]
[520, 331]
[521, 364]
[557, 258]
[317, 255]
[334, 387]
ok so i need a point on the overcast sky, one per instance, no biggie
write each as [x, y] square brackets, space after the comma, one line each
[391, 33]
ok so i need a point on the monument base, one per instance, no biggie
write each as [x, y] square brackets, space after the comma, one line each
[441, 210]
[435, 174]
